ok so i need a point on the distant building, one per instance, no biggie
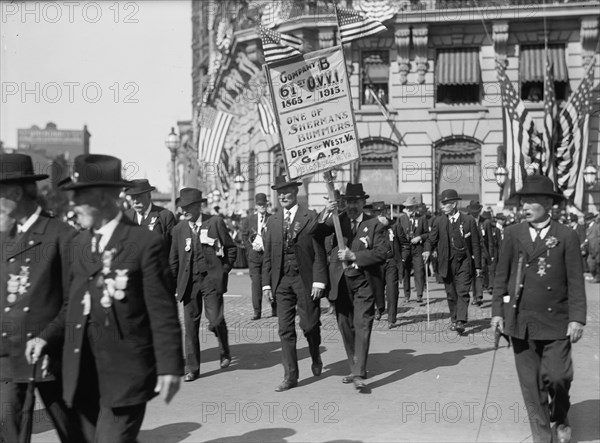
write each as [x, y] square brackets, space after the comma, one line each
[53, 141]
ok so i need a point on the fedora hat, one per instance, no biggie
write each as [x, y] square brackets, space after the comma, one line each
[474, 206]
[449, 195]
[379, 206]
[355, 191]
[410, 201]
[187, 196]
[260, 199]
[95, 170]
[281, 181]
[539, 185]
[18, 168]
[139, 186]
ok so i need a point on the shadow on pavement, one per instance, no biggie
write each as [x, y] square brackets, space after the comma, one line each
[171, 433]
[583, 417]
[249, 356]
[275, 435]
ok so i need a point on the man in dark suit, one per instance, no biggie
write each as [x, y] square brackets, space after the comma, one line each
[122, 340]
[202, 254]
[252, 237]
[366, 249]
[295, 274]
[539, 301]
[416, 230]
[455, 236]
[31, 296]
[486, 242]
[145, 213]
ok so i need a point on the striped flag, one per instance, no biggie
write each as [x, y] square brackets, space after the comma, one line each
[572, 140]
[278, 46]
[380, 10]
[267, 116]
[214, 125]
[353, 25]
[550, 114]
[519, 131]
[386, 114]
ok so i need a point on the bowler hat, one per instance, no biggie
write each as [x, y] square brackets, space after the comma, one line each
[378, 206]
[260, 199]
[486, 215]
[449, 195]
[539, 185]
[139, 186]
[474, 206]
[410, 201]
[355, 191]
[187, 196]
[18, 168]
[281, 181]
[95, 170]
[500, 216]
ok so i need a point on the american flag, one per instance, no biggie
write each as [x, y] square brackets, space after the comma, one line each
[519, 133]
[572, 140]
[214, 125]
[278, 46]
[353, 25]
[550, 114]
[267, 116]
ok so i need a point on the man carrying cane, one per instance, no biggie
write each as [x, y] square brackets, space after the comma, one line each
[539, 300]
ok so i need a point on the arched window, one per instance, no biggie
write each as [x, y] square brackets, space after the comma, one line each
[458, 166]
[378, 170]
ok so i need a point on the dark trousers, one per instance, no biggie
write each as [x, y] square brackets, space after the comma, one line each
[492, 272]
[13, 397]
[290, 295]
[203, 293]
[379, 290]
[482, 282]
[457, 285]
[99, 423]
[355, 310]
[391, 288]
[414, 262]
[545, 373]
[255, 271]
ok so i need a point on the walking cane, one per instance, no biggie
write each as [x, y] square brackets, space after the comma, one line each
[427, 289]
[27, 413]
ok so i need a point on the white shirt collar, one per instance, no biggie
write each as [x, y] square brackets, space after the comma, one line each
[454, 217]
[143, 216]
[358, 219]
[107, 231]
[196, 223]
[30, 221]
[543, 232]
[291, 211]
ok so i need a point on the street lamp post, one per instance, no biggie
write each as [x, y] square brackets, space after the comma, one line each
[590, 175]
[501, 175]
[172, 143]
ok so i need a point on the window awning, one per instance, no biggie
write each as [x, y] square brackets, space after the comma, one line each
[533, 63]
[458, 66]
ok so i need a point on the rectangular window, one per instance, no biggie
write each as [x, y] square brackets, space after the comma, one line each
[375, 76]
[532, 71]
[458, 76]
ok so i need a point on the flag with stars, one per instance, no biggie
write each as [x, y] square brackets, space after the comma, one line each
[519, 134]
[353, 25]
[550, 114]
[278, 46]
[572, 140]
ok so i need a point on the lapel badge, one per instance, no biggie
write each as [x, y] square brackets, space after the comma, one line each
[541, 266]
[188, 244]
[152, 223]
[87, 303]
[12, 285]
[121, 279]
[107, 259]
[105, 301]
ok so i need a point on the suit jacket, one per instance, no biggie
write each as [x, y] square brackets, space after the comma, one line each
[159, 220]
[219, 256]
[370, 245]
[486, 239]
[138, 337]
[592, 238]
[404, 232]
[310, 253]
[39, 258]
[439, 238]
[548, 292]
[249, 233]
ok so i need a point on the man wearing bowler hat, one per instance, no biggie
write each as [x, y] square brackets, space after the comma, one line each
[539, 301]
[145, 213]
[455, 236]
[488, 253]
[122, 337]
[366, 249]
[253, 228]
[415, 229]
[202, 254]
[31, 296]
[295, 275]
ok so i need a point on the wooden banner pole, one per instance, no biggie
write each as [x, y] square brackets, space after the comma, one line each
[336, 217]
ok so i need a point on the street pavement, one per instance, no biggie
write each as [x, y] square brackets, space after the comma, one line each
[425, 383]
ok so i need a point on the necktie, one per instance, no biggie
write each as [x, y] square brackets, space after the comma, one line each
[354, 227]
[95, 246]
[538, 236]
[286, 225]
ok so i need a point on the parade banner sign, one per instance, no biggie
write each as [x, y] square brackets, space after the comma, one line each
[311, 97]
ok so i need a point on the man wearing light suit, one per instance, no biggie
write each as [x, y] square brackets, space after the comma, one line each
[539, 301]
[202, 254]
[295, 274]
[366, 249]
